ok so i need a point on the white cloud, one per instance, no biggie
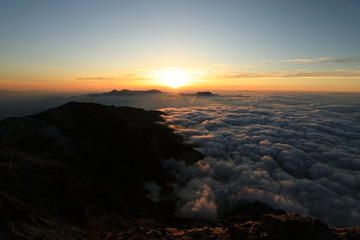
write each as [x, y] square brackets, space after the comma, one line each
[154, 191]
[294, 74]
[321, 60]
[295, 152]
[308, 60]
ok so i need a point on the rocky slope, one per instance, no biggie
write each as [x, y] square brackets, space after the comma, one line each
[78, 172]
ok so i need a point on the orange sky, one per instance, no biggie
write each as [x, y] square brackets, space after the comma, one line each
[195, 79]
[195, 45]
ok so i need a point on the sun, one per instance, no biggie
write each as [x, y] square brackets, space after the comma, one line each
[173, 78]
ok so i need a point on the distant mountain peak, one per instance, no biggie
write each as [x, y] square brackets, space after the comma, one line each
[206, 93]
[200, 94]
[126, 92]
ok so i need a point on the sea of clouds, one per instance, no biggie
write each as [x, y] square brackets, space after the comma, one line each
[297, 152]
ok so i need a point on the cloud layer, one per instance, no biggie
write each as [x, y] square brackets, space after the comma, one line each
[323, 60]
[295, 74]
[295, 152]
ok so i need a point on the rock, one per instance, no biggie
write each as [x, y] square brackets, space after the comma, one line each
[293, 226]
[253, 211]
[349, 233]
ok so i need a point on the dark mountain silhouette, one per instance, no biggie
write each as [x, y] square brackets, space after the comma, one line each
[126, 92]
[199, 94]
[78, 172]
[205, 94]
[81, 161]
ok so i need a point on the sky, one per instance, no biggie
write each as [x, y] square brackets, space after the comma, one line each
[200, 45]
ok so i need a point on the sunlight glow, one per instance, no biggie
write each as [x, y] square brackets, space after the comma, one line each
[174, 77]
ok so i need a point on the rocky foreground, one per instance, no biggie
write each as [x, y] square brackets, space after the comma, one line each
[78, 172]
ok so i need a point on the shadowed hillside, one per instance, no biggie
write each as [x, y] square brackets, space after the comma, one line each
[79, 162]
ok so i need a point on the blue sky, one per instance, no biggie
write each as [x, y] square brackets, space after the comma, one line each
[64, 40]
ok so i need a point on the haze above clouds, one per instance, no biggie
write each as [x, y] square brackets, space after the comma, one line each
[17, 103]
